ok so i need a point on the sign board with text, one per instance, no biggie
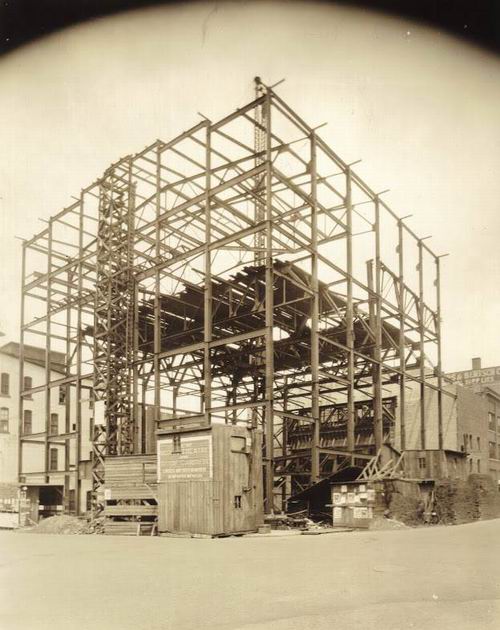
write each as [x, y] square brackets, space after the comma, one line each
[476, 377]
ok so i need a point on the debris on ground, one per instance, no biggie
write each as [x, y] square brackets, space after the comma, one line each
[62, 524]
[384, 523]
[96, 526]
[458, 501]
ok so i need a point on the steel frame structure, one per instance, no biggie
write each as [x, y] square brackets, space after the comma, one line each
[241, 272]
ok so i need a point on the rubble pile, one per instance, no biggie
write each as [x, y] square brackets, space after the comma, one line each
[62, 524]
[457, 501]
[486, 495]
[406, 509]
[385, 523]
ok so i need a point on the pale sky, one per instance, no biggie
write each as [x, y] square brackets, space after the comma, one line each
[420, 108]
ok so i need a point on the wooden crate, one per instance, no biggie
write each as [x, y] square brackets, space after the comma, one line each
[130, 494]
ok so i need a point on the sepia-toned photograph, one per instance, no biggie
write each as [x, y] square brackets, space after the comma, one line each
[249, 313]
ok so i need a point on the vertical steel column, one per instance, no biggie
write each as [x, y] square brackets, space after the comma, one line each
[284, 442]
[260, 137]
[79, 342]
[21, 366]
[349, 319]
[48, 350]
[402, 345]
[269, 320]
[421, 331]
[377, 365]
[157, 298]
[136, 424]
[67, 394]
[439, 358]
[128, 424]
[143, 418]
[207, 294]
[315, 412]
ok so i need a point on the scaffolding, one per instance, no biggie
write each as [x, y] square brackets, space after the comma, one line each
[241, 272]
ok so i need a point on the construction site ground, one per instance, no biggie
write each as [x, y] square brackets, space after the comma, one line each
[424, 578]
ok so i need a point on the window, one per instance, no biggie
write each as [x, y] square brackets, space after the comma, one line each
[71, 501]
[491, 421]
[28, 422]
[238, 444]
[5, 384]
[91, 430]
[54, 424]
[478, 444]
[176, 445]
[470, 465]
[28, 384]
[62, 394]
[466, 441]
[492, 449]
[422, 463]
[4, 420]
[478, 465]
[89, 501]
[237, 501]
[53, 459]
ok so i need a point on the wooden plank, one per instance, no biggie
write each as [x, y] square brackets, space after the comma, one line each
[131, 510]
[120, 528]
[123, 493]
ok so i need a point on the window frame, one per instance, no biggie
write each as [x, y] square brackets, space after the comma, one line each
[62, 394]
[30, 412]
[28, 384]
[5, 384]
[176, 444]
[52, 424]
[4, 420]
[53, 459]
[491, 421]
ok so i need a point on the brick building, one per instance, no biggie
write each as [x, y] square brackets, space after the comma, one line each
[41, 457]
[484, 383]
[465, 432]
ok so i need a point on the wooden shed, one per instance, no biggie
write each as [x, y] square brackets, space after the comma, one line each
[209, 480]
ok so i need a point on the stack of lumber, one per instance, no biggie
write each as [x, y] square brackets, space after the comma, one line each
[130, 495]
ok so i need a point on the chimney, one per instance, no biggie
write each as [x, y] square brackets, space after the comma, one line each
[476, 363]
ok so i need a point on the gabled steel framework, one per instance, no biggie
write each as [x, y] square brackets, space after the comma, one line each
[241, 272]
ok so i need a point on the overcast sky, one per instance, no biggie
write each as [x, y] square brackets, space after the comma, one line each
[420, 108]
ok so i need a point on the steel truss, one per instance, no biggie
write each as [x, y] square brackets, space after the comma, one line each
[241, 272]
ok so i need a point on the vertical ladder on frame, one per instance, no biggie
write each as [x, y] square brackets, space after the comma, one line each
[113, 323]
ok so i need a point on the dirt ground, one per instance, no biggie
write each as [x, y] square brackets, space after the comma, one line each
[444, 578]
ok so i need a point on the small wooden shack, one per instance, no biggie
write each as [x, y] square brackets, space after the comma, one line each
[209, 480]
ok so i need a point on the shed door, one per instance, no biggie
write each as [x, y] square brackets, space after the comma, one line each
[189, 507]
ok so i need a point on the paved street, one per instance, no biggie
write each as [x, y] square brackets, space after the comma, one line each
[429, 578]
